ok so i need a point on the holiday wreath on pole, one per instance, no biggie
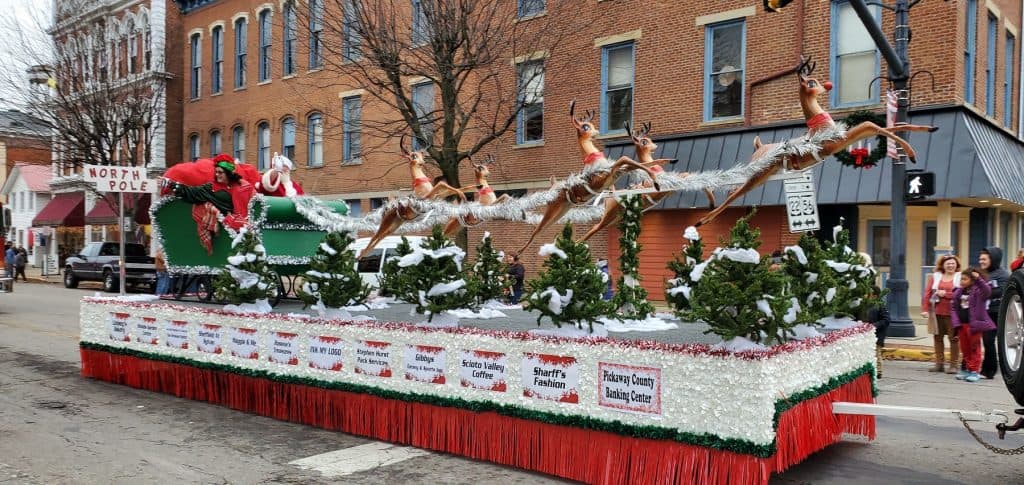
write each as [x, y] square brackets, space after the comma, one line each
[860, 155]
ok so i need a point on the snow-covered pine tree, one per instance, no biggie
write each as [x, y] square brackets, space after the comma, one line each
[489, 272]
[390, 280]
[809, 276]
[569, 288]
[678, 290]
[332, 279]
[431, 276]
[737, 295]
[247, 277]
[630, 300]
[851, 293]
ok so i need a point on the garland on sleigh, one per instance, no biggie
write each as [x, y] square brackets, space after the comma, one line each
[860, 156]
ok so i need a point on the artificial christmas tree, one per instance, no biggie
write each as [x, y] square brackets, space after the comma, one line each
[431, 277]
[809, 278]
[851, 294]
[738, 295]
[569, 288]
[489, 272]
[678, 290]
[247, 281]
[332, 281]
[389, 276]
[630, 300]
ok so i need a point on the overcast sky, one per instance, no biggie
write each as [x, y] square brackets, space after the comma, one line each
[22, 33]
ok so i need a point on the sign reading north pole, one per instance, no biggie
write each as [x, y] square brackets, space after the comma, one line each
[801, 202]
[629, 388]
[424, 363]
[551, 377]
[118, 179]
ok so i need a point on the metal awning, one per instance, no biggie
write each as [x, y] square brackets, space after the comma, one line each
[970, 157]
[66, 210]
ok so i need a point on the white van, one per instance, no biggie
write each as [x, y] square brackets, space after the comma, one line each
[371, 265]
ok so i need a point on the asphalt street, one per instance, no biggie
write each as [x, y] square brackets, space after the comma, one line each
[56, 427]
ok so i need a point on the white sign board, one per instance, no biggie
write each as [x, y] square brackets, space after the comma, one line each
[118, 179]
[801, 203]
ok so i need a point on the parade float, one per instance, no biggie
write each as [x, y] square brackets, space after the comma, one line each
[587, 408]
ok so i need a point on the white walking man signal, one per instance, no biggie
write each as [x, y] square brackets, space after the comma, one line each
[915, 185]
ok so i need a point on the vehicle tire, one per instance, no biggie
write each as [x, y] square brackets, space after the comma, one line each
[70, 281]
[1010, 336]
[110, 283]
[204, 288]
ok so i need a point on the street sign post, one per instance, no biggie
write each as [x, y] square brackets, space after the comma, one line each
[801, 203]
[119, 179]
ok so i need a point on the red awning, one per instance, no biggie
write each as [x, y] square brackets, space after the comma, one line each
[66, 210]
[104, 212]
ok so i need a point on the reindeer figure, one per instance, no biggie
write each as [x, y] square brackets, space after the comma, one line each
[817, 119]
[598, 180]
[422, 188]
[484, 195]
[644, 147]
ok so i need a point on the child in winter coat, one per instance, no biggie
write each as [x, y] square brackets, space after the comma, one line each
[970, 319]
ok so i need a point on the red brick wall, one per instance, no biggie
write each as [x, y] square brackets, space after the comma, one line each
[26, 151]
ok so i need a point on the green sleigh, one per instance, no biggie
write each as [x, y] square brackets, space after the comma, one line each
[289, 237]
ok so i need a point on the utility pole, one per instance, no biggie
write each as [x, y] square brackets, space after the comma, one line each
[899, 74]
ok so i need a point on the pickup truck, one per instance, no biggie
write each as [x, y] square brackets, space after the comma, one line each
[98, 262]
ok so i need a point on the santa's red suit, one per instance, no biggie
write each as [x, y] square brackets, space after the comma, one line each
[277, 180]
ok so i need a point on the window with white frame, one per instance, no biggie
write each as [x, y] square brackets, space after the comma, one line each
[855, 59]
[214, 143]
[350, 30]
[263, 145]
[288, 138]
[133, 48]
[197, 66]
[193, 147]
[218, 59]
[990, 66]
[351, 110]
[419, 23]
[265, 46]
[616, 86]
[147, 49]
[1008, 50]
[288, 23]
[527, 8]
[724, 68]
[530, 124]
[970, 44]
[315, 137]
[423, 104]
[238, 143]
[240, 48]
[316, 26]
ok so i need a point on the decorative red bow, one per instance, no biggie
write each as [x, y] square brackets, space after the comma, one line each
[858, 156]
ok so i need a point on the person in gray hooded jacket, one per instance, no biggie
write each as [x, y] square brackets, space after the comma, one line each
[991, 260]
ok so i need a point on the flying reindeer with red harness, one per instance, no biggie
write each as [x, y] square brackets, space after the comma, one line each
[422, 188]
[484, 195]
[600, 173]
[817, 120]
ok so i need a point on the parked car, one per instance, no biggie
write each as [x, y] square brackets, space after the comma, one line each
[98, 262]
[371, 265]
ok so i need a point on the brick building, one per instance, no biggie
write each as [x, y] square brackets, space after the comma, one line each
[708, 75]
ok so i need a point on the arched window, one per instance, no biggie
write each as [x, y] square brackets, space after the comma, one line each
[315, 135]
[265, 32]
[263, 145]
[133, 48]
[238, 143]
[316, 26]
[193, 147]
[288, 138]
[289, 37]
[218, 59]
[214, 143]
[197, 65]
[240, 49]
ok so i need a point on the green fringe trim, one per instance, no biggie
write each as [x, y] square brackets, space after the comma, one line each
[706, 440]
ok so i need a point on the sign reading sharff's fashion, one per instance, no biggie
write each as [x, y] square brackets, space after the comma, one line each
[118, 179]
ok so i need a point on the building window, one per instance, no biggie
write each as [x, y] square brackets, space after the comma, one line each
[419, 23]
[530, 7]
[193, 147]
[350, 30]
[265, 32]
[147, 49]
[970, 44]
[315, 135]
[288, 138]
[855, 60]
[423, 104]
[218, 58]
[1008, 51]
[133, 48]
[240, 48]
[215, 143]
[879, 242]
[354, 207]
[616, 86]
[238, 143]
[351, 109]
[377, 203]
[263, 145]
[316, 26]
[724, 62]
[197, 66]
[289, 38]
[990, 66]
[530, 125]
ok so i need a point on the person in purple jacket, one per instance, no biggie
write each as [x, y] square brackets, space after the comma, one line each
[970, 319]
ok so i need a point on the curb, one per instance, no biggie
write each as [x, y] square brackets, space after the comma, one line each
[909, 354]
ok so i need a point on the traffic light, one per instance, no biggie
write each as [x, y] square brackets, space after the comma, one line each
[918, 184]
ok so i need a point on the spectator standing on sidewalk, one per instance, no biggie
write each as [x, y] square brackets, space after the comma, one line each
[9, 258]
[163, 280]
[970, 319]
[517, 273]
[991, 260]
[935, 306]
[20, 261]
[1017, 263]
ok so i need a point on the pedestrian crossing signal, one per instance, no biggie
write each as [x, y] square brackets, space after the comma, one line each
[918, 184]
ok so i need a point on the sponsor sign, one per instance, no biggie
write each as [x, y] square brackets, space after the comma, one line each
[147, 331]
[326, 352]
[629, 388]
[177, 334]
[481, 369]
[117, 326]
[550, 377]
[373, 358]
[424, 363]
[284, 348]
[208, 338]
[244, 343]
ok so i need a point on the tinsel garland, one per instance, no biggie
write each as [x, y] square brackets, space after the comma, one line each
[648, 432]
[630, 300]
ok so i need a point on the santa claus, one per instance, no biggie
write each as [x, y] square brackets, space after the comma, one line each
[277, 180]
